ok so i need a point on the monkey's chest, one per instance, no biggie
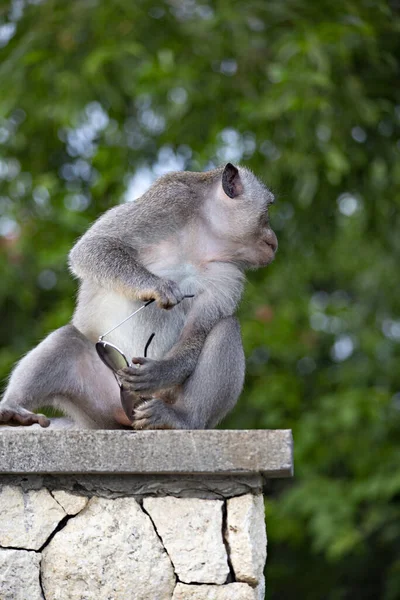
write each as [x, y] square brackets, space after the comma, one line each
[185, 274]
[165, 324]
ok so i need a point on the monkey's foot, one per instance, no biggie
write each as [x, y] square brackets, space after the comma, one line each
[16, 416]
[155, 414]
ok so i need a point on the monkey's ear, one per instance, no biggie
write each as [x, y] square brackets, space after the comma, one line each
[231, 183]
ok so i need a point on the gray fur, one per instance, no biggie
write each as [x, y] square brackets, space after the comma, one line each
[185, 235]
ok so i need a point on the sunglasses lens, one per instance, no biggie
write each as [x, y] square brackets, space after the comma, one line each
[111, 356]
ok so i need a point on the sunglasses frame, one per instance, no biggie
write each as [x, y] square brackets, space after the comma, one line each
[102, 344]
[125, 397]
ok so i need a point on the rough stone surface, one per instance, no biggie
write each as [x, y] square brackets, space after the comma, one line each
[109, 551]
[163, 452]
[246, 537]
[27, 518]
[19, 575]
[260, 589]
[232, 591]
[71, 504]
[113, 486]
[191, 531]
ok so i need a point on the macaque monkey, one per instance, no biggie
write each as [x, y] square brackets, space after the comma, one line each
[189, 234]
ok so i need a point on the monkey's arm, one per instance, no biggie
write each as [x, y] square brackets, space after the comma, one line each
[208, 308]
[108, 252]
[114, 265]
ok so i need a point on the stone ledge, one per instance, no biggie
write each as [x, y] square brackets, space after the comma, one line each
[136, 515]
[219, 452]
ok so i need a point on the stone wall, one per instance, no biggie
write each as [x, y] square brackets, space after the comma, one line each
[79, 535]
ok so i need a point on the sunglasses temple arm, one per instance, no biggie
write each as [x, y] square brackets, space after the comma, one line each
[127, 318]
[134, 313]
[148, 344]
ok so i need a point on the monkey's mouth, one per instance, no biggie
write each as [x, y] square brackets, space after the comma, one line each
[269, 239]
[273, 247]
[258, 256]
[268, 254]
[273, 244]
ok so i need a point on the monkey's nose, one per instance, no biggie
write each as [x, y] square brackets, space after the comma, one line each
[271, 239]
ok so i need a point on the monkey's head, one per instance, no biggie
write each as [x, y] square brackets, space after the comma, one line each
[239, 215]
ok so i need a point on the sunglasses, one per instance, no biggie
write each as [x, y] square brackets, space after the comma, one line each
[115, 359]
[112, 356]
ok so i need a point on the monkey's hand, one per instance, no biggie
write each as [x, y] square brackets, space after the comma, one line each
[16, 415]
[148, 375]
[166, 293]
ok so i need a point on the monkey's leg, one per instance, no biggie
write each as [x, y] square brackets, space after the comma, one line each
[63, 371]
[209, 393]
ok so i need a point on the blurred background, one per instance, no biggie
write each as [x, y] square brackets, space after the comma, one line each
[99, 98]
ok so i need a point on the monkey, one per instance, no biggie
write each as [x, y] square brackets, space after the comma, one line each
[191, 233]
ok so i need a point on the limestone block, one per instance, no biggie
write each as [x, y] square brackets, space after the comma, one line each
[246, 537]
[191, 531]
[231, 591]
[108, 551]
[260, 589]
[19, 575]
[71, 504]
[27, 518]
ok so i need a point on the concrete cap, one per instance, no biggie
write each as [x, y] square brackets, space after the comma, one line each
[223, 452]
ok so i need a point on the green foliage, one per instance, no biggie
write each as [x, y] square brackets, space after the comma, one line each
[307, 95]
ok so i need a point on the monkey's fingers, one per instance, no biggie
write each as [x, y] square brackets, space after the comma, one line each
[150, 415]
[136, 387]
[164, 302]
[43, 421]
[20, 416]
[168, 294]
[148, 375]
[131, 379]
[139, 360]
[137, 378]
[140, 366]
